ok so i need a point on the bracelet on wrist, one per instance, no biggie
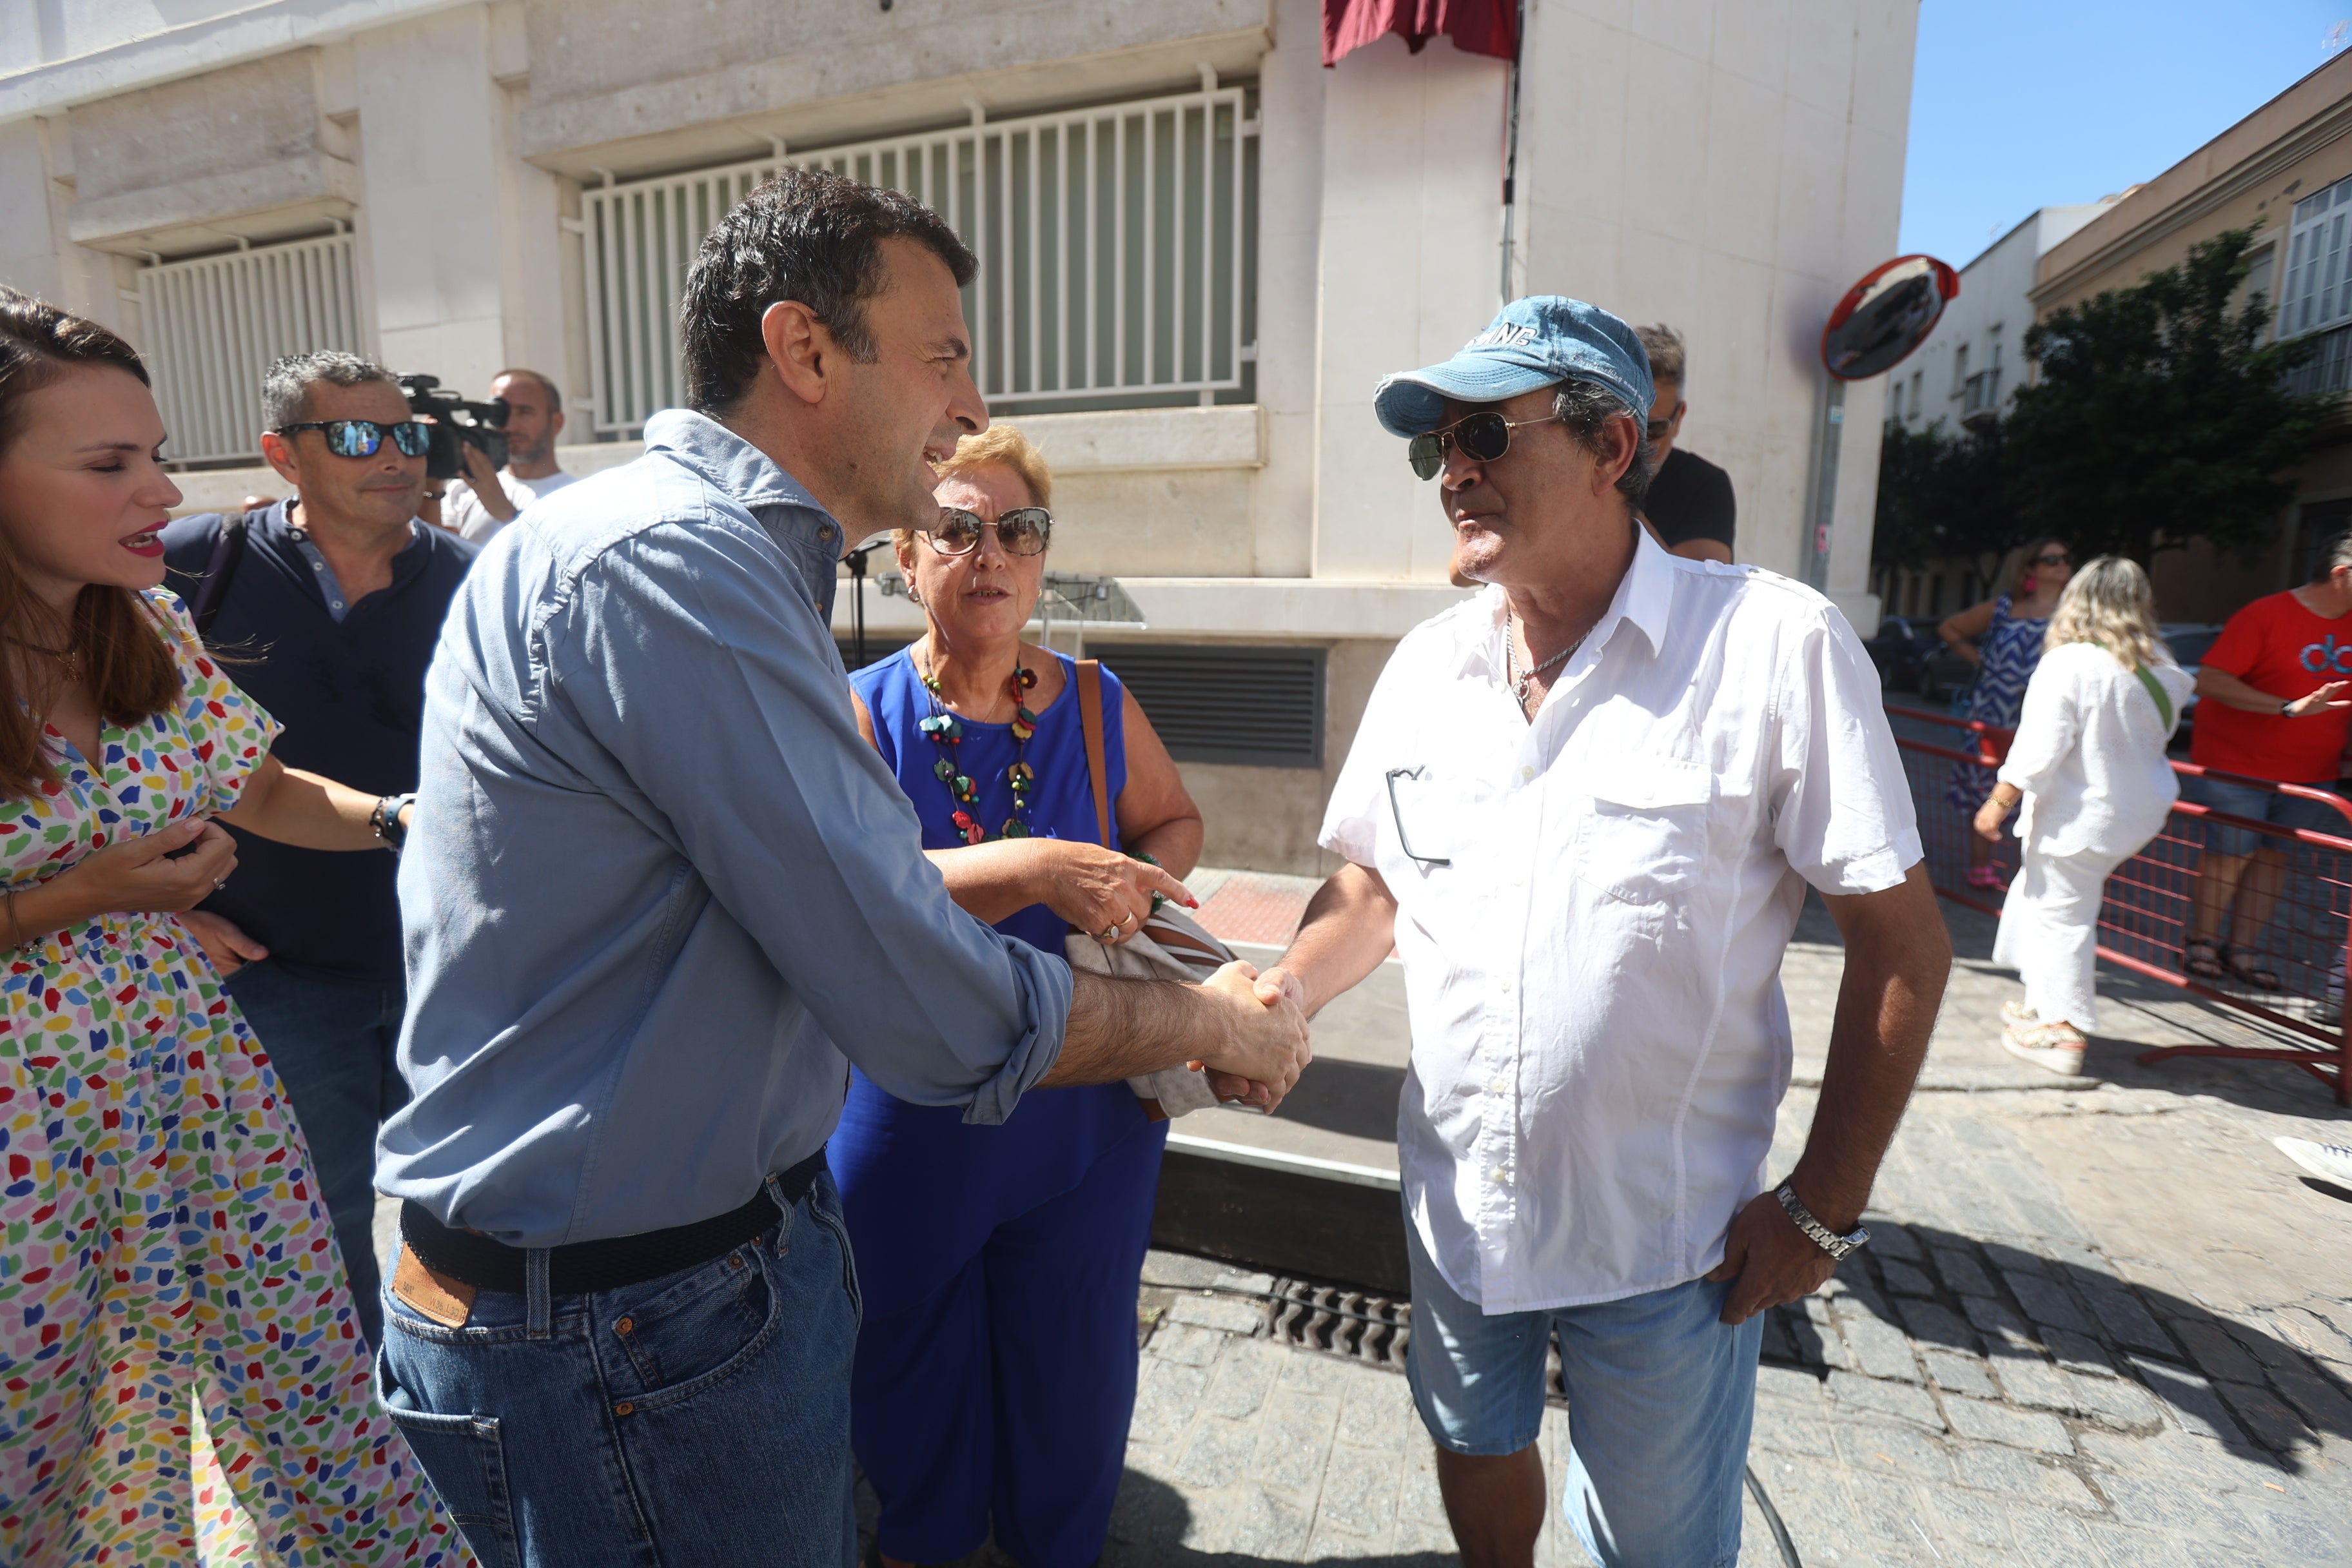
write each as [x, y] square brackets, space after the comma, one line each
[384, 820]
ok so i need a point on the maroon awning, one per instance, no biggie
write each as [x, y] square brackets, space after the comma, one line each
[1480, 27]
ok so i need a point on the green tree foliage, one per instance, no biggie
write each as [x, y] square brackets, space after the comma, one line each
[2160, 416]
[1941, 497]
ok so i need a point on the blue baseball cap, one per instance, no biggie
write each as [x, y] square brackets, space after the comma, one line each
[1530, 343]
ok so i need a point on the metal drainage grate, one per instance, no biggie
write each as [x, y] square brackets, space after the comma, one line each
[1339, 1321]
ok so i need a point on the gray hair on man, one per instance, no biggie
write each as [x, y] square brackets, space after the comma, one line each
[1586, 407]
[285, 384]
[1668, 357]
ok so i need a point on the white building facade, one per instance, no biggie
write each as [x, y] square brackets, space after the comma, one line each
[1201, 250]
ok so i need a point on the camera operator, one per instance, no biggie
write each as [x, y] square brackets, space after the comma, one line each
[329, 605]
[488, 498]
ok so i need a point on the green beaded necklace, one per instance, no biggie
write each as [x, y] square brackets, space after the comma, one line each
[946, 731]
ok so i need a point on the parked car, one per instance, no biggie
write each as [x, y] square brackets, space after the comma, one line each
[1902, 645]
[1942, 672]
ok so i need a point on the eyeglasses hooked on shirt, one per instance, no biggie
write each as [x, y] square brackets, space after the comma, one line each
[364, 438]
[1397, 812]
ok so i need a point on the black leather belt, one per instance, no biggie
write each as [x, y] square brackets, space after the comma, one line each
[606, 1264]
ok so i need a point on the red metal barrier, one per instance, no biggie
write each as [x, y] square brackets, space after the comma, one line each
[2144, 923]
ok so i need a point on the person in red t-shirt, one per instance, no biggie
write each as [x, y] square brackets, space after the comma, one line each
[2271, 704]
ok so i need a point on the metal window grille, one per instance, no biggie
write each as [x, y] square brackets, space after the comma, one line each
[1211, 703]
[1117, 249]
[2318, 288]
[213, 325]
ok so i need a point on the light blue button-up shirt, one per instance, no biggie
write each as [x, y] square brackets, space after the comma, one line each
[658, 887]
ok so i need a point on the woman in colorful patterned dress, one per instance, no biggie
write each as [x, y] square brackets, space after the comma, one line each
[996, 1370]
[2003, 637]
[171, 1300]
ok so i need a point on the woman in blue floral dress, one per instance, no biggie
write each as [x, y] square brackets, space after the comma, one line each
[2003, 637]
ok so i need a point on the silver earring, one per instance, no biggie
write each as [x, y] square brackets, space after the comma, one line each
[913, 597]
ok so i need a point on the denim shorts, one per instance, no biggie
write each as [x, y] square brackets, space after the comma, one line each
[1661, 1396]
[2259, 804]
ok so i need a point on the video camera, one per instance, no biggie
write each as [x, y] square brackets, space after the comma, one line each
[455, 420]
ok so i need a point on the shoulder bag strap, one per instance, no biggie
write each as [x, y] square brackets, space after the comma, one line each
[2156, 689]
[1090, 718]
[220, 568]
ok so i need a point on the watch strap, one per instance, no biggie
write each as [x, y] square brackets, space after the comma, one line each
[1820, 1235]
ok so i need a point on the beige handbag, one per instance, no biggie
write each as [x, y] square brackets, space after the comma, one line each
[1170, 945]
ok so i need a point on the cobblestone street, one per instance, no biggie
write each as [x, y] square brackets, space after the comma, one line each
[2101, 1322]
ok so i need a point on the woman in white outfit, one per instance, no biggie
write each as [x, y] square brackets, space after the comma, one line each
[2088, 762]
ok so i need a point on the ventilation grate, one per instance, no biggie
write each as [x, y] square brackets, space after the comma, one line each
[1212, 703]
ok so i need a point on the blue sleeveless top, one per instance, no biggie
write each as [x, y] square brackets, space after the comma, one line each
[921, 1189]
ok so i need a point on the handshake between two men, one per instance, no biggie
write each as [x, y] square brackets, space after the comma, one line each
[1248, 1030]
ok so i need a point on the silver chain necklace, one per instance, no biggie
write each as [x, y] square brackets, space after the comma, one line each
[1511, 659]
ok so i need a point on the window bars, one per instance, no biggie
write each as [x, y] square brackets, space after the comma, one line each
[213, 325]
[1117, 249]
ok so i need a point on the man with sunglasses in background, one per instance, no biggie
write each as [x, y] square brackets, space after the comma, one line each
[331, 602]
[1689, 501]
[1584, 806]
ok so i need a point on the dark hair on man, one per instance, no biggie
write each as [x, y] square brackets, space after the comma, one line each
[808, 235]
[285, 384]
[547, 387]
[2336, 552]
[1586, 407]
[127, 669]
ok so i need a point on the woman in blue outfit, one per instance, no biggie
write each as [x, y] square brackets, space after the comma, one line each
[995, 1371]
[2003, 637]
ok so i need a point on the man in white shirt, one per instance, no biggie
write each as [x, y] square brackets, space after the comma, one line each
[488, 498]
[1584, 807]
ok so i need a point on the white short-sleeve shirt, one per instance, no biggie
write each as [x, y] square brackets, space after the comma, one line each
[463, 514]
[1600, 1042]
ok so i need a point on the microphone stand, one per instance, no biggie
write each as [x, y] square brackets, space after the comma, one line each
[857, 562]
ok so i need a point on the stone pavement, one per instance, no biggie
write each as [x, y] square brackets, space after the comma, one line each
[2102, 1323]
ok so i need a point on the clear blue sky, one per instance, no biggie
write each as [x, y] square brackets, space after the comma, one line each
[2019, 104]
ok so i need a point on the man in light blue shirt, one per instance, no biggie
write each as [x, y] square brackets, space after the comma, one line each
[659, 893]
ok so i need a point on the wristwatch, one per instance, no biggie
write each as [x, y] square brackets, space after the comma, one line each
[1821, 1235]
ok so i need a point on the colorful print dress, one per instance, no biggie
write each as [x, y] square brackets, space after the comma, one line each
[2011, 649]
[170, 1290]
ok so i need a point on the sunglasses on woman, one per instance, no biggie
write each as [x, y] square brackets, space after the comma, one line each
[1023, 531]
[1482, 437]
[364, 438]
[2054, 558]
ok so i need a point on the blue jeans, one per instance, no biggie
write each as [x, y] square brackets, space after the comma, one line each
[702, 1418]
[333, 1048]
[2258, 806]
[1660, 1397]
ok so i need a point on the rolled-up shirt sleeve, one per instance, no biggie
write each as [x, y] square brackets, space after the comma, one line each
[727, 707]
[2048, 726]
[1841, 805]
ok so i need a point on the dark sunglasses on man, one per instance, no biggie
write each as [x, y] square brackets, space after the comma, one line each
[1482, 437]
[364, 438]
[1023, 531]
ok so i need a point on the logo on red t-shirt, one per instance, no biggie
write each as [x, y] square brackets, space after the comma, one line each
[2325, 655]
